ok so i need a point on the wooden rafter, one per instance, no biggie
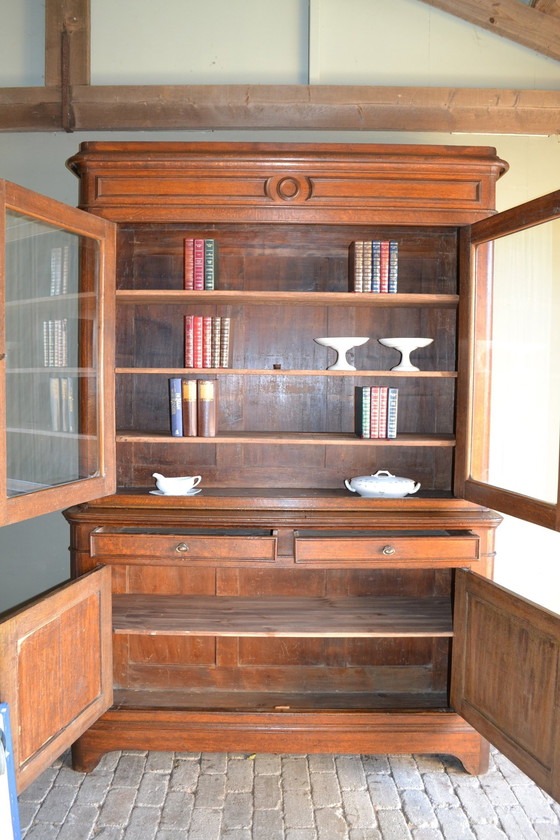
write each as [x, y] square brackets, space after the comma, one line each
[69, 102]
[549, 7]
[526, 25]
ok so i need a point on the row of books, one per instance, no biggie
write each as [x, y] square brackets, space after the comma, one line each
[200, 264]
[376, 411]
[193, 407]
[55, 342]
[62, 399]
[374, 265]
[60, 265]
[207, 340]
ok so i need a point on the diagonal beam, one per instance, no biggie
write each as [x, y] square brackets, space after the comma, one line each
[511, 19]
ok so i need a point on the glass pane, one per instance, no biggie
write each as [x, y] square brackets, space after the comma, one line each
[517, 367]
[51, 375]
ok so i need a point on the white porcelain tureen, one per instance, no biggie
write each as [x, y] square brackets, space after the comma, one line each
[382, 485]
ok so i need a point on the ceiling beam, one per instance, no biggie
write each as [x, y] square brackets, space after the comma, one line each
[511, 19]
[549, 7]
[287, 107]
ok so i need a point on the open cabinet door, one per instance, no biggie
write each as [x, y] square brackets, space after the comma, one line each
[57, 305]
[56, 670]
[510, 391]
[505, 678]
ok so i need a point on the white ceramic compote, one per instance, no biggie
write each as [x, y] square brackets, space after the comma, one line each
[405, 346]
[342, 344]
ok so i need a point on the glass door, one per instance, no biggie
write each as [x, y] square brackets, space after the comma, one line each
[513, 419]
[57, 280]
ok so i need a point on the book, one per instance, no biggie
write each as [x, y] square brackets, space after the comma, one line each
[382, 419]
[189, 400]
[224, 342]
[362, 411]
[376, 266]
[207, 407]
[393, 266]
[189, 341]
[175, 408]
[357, 265]
[210, 264]
[188, 264]
[384, 266]
[206, 341]
[216, 339]
[197, 341]
[374, 412]
[198, 265]
[392, 411]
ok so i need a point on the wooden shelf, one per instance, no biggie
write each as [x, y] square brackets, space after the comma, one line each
[288, 438]
[209, 700]
[148, 296]
[201, 372]
[282, 616]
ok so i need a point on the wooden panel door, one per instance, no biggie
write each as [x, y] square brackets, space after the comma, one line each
[56, 672]
[506, 675]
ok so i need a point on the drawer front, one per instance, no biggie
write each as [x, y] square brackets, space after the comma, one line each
[145, 548]
[429, 551]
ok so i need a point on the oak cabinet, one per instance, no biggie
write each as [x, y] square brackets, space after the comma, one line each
[274, 610]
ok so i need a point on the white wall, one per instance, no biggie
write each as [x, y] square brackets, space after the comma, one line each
[358, 41]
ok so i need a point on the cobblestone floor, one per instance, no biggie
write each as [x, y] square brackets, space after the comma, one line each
[188, 796]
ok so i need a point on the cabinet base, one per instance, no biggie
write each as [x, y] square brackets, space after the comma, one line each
[283, 732]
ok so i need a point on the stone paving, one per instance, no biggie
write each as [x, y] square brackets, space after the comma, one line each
[193, 796]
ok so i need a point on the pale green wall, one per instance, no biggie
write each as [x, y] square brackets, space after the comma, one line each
[358, 42]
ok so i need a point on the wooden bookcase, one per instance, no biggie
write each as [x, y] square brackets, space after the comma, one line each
[276, 611]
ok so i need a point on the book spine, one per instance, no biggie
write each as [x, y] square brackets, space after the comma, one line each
[374, 412]
[189, 398]
[368, 266]
[393, 266]
[357, 265]
[197, 341]
[383, 412]
[216, 339]
[54, 397]
[71, 404]
[225, 342]
[392, 411]
[384, 267]
[65, 269]
[376, 266]
[56, 271]
[198, 266]
[188, 264]
[206, 342]
[175, 408]
[64, 403]
[362, 411]
[209, 264]
[207, 407]
[189, 341]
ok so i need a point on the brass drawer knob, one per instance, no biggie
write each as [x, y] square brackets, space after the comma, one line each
[388, 550]
[182, 548]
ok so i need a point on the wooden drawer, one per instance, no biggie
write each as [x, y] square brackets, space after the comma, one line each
[390, 550]
[141, 548]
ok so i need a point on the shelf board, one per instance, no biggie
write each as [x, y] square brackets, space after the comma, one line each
[208, 700]
[201, 372]
[258, 298]
[282, 616]
[288, 438]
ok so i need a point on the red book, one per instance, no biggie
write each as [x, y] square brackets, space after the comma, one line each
[198, 265]
[189, 341]
[374, 412]
[188, 261]
[383, 412]
[197, 341]
[206, 342]
[384, 267]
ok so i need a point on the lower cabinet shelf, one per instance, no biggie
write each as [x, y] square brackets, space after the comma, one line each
[282, 616]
